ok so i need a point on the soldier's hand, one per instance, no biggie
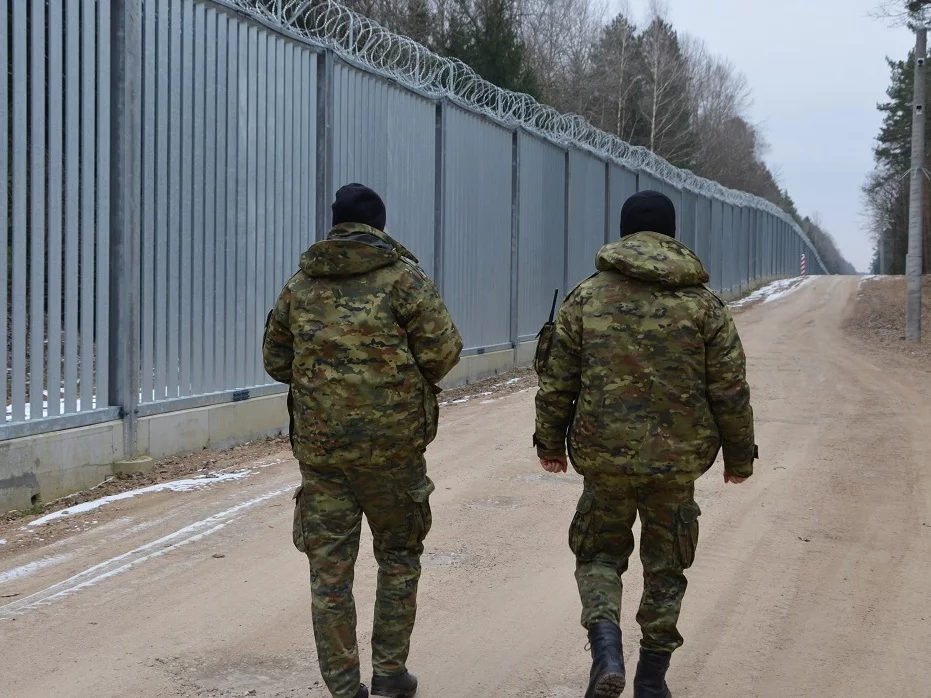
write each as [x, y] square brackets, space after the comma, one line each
[733, 479]
[555, 465]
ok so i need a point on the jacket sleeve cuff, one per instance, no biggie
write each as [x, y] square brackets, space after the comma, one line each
[547, 451]
[739, 463]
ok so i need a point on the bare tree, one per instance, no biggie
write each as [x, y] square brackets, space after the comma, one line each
[664, 104]
[720, 100]
[905, 12]
[560, 36]
[612, 83]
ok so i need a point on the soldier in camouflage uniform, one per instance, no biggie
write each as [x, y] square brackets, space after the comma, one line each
[643, 378]
[361, 335]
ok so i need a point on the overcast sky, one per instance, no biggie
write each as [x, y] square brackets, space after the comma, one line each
[817, 70]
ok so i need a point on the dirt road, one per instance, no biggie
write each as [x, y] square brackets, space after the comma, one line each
[813, 579]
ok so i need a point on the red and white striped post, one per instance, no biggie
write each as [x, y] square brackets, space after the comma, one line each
[804, 267]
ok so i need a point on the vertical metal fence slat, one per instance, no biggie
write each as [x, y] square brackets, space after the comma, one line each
[288, 133]
[280, 232]
[198, 230]
[55, 198]
[183, 73]
[102, 368]
[149, 202]
[310, 148]
[268, 123]
[188, 177]
[242, 209]
[262, 271]
[302, 90]
[19, 231]
[72, 199]
[5, 319]
[88, 200]
[232, 197]
[175, 241]
[20, 169]
[36, 359]
[162, 202]
[274, 72]
[222, 228]
[294, 136]
[250, 239]
[210, 194]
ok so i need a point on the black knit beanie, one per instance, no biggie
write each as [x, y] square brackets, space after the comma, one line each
[356, 203]
[648, 211]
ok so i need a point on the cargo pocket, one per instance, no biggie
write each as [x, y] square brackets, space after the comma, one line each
[297, 528]
[582, 530]
[422, 516]
[687, 531]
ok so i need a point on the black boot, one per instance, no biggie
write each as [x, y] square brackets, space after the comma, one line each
[650, 681]
[607, 677]
[363, 692]
[397, 686]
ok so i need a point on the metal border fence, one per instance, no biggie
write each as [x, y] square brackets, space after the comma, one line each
[168, 161]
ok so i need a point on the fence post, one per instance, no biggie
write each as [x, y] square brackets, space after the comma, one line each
[607, 203]
[325, 71]
[566, 232]
[515, 240]
[439, 213]
[125, 214]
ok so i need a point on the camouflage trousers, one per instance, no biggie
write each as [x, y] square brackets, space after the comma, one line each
[602, 540]
[327, 524]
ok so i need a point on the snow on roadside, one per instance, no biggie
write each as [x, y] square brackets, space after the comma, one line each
[463, 400]
[773, 292]
[187, 485]
[779, 295]
[30, 568]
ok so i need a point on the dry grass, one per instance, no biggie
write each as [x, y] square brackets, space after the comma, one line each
[878, 319]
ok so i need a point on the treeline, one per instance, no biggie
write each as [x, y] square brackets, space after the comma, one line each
[887, 189]
[649, 84]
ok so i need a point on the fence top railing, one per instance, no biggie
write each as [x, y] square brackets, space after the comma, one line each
[366, 43]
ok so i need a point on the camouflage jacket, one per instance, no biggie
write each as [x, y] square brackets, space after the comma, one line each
[645, 373]
[362, 336]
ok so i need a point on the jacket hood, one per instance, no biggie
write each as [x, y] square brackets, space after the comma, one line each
[653, 258]
[351, 249]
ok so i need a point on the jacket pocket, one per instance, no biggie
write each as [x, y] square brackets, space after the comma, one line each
[687, 531]
[422, 516]
[582, 529]
[291, 417]
[297, 527]
[431, 412]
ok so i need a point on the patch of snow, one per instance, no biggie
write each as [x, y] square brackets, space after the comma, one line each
[792, 289]
[2, 541]
[30, 568]
[774, 291]
[61, 408]
[127, 561]
[187, 485]
[513, 381]
[267, 464]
